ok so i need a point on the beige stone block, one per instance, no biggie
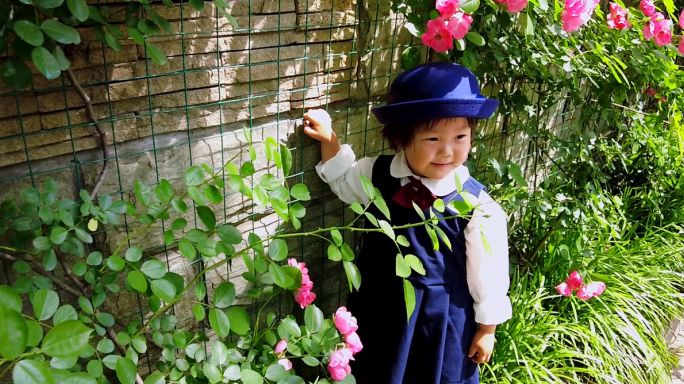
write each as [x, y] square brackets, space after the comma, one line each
[321, 100]
[303, 6]
[326, 19]
[13, 126]
[20, 104]
[54, 101]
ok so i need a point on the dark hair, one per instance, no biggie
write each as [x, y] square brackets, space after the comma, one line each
[400, 135]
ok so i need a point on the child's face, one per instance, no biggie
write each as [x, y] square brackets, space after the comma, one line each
[437, 151]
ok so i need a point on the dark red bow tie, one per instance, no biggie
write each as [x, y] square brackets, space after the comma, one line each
[414, 192]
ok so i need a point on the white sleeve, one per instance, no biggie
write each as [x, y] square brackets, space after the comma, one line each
[487, 262]
[343, 175]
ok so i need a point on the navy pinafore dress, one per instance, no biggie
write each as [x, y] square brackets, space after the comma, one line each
[432, 347]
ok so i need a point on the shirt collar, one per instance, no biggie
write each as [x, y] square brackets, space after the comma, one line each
[400, 169]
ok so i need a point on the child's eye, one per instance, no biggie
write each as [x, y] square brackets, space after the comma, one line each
[459, 137]
[431, 139]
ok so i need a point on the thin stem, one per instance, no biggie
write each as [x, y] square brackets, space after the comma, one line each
[256, 324]
[56, 281]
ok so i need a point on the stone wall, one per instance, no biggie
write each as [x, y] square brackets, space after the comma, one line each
[160, 120]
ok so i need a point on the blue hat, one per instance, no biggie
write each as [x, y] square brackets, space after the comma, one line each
[435, 91]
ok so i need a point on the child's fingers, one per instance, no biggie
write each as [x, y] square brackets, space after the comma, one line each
[311, 132]
[473, 350]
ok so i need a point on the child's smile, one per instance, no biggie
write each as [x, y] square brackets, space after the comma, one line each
[437, 151]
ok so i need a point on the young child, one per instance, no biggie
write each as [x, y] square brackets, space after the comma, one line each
[429, 119]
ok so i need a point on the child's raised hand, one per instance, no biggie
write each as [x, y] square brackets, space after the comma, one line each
[318, 125]
[483, 344]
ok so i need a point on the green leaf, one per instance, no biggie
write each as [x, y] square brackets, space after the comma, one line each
[126, 371]
[313, 318]
[16, 74]
[156, 378]
[164, 290]
[154, 269]
[31, 196]
[401, 240]
[403, 269]
[115, 263]
[186, 248]
[310, 361]
[29, 32]
[470, 6]
[439, 205]
[45, 62]
[207, 247]
[387, 228]
[35, 334]
[409, 298]
[21, 266]
[10, 299]
[207, 216]
[162, 22]
[247, 169]
[45, 304]
[357, 208]
[79, 378]
[224, 295]
[415, 264]
[64, 313]
[59, 32]
[80, 268]
[276, 372]
[197, 196]
[239, 320]
[410, 58]
[164, 191]
[67, 339]
[198, 5]
[79, 9]
[13, 333]
[382, 206]
[251, 377]
[198, 311]
[95, 258]
[229, 234]
[347, 253]
[280, 278]
[95, 368]
[529, 24]
[143, 193]
[179, 224]
[137, 280]
[334, 253]
[136, 36]
[300, 192]
[475, 38]
[32, 372]
[42, 243]
[83, 235]
[194, 176]
[213, 194]
[353, 275]
[277, 250]
[219, 322]
[179, 205]
[105, 346]
[285, 153]
[212, 373]
[105, 319]
[133, 254]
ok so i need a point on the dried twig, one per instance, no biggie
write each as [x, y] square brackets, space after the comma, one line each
[56, 281]
[100, 131]
[70, 274]
[122, 349]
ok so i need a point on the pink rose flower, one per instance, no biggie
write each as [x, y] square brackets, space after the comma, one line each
[590, 290]
[303, 294]
[353, 342]
[564, 289]
[647, 7]
[344, 321]
[339, 373]
[281, 346]
[514, 6]
[437, 36]
[287, 364]
[651, 92]
[447, 8]
[577, 13]
[618, 17]
[681, 20]
[660, 28]
[459, 24]
[574, 281]
[681, 45]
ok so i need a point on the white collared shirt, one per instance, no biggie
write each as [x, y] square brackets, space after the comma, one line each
[487, 270]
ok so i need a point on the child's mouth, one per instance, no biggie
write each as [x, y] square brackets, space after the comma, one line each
[440, 165]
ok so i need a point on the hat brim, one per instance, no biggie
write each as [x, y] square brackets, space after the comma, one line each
[435, 109]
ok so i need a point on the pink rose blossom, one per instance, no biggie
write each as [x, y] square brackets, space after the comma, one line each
[282, 345]
[344, 321]
[447, 8]
[681, 45]
[514, 6]
[285, 363]
[437, 36]
[660, 28]
[353, 342]
[647, 7]
[590, 290]
[564, 289]
[577, 13]
[339, 373]
[681, 20]
[651, 92]
[618, 17]
[303, 294]
[574, 281]
[459, 24]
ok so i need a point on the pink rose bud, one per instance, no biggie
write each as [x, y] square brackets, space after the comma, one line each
[344, 321]
[338, 373]
[282, 345]
[287, 364]
[574, 281]
[681, 44]
[681, 20]
[647, 7]
[340, 357]
[564, 289]
[353, 342]
[617, 17]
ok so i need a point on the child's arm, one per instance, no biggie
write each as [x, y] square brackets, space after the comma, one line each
[487, 269]
[338, 166]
